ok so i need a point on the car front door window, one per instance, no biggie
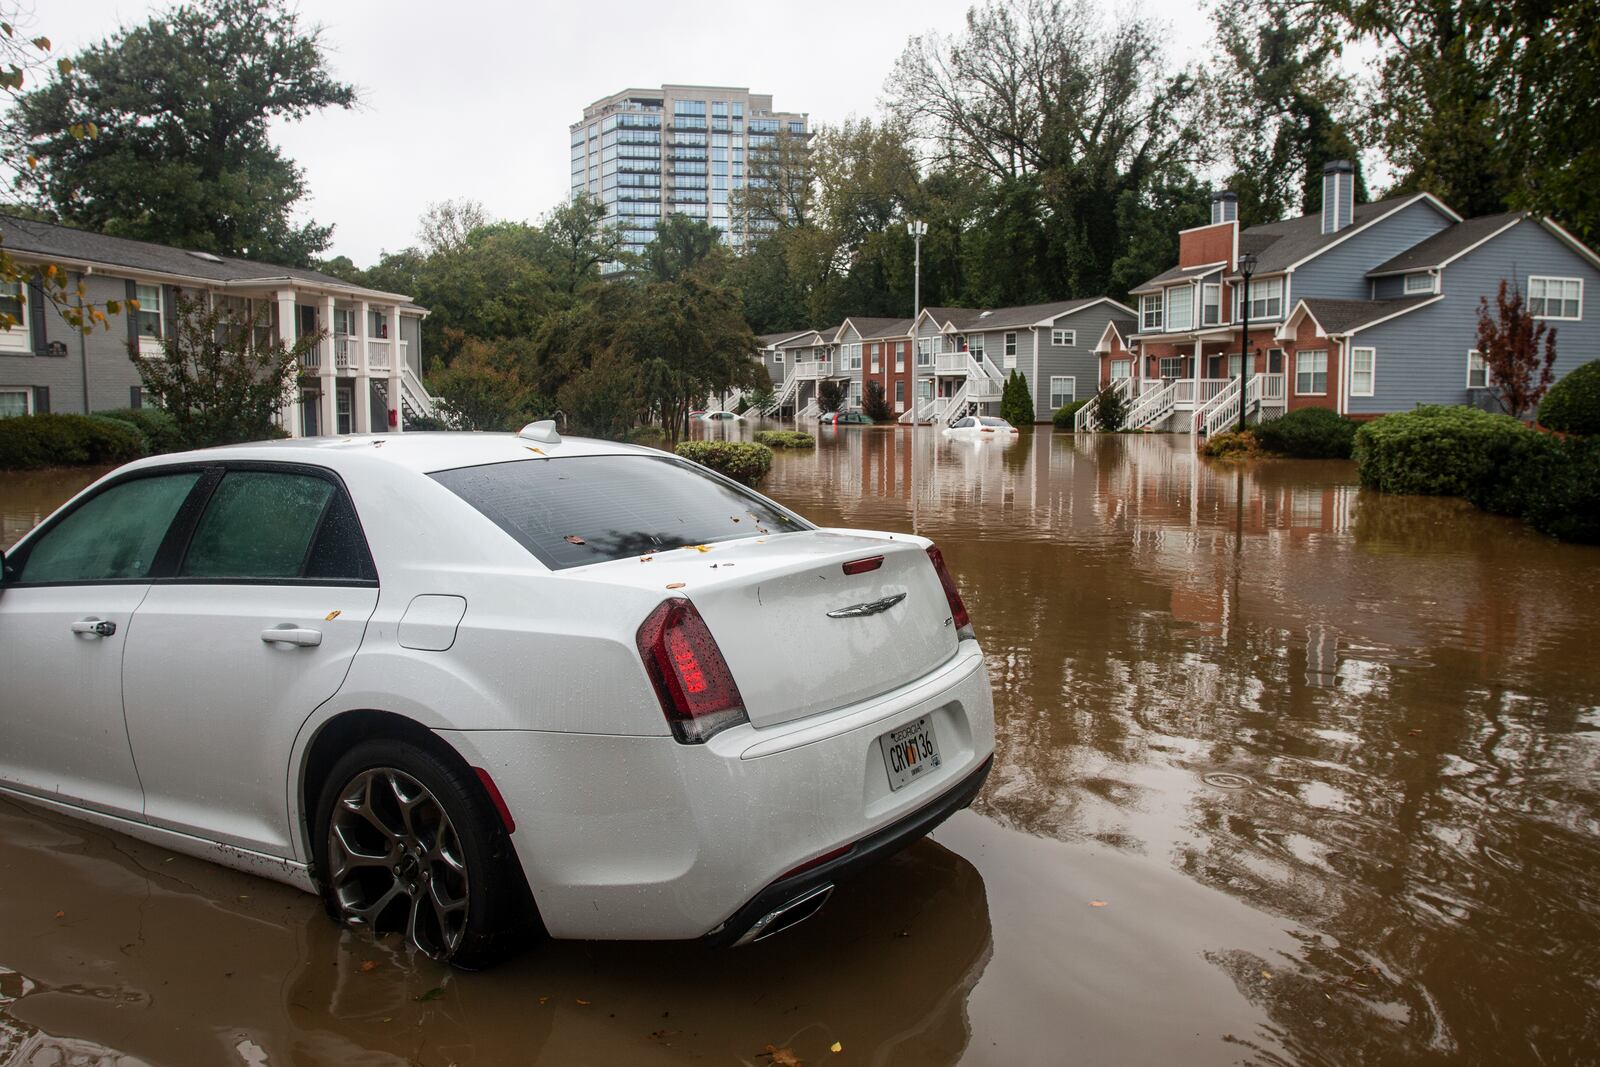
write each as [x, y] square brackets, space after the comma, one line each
[113, 536]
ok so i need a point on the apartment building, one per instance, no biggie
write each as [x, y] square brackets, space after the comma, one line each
[679, 149]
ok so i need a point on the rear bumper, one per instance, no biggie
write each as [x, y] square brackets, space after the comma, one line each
[643, 838]
[879, 846]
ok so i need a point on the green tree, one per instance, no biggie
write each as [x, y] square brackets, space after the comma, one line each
[576, 243]
[487, 386]
[875, 404]
[1016, 400]
[182, 107]
[222, 378]
[830, 395]
[681, 245]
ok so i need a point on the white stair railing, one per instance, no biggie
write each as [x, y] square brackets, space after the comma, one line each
[957, 406]
[1225, 399]
[785, 393]
[1087, 420]
[1153, 406]
[413, 393]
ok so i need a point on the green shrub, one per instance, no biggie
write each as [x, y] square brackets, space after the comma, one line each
[1573, 404]
[1434, 451]
[1066, 413]
[1310, 433]
[785, 439]
[1564, 501]
[1016, 400]
[1110, 410]
[740, 460]
[31, 441]
[1231, 445]
[159, 428]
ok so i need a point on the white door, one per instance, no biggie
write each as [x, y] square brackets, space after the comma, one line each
[228, 659]
[65, 620]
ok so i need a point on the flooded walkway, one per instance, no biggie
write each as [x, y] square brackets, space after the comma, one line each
[1288, 773]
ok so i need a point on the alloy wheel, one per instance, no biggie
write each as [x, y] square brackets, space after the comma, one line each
[396, 861]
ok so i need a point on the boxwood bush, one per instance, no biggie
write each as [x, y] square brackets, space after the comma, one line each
[32, 441]
[1310, 433]
[1231, 445]
[1433, 451]
[1573, 404]
[785, 439]
[159, 428]
[1066, 413]
[742, 461]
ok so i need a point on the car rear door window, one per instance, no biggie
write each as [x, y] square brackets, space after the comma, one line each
[590, 509]
[258, 525]
[113, 536]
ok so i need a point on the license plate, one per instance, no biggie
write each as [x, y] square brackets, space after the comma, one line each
[910, 751]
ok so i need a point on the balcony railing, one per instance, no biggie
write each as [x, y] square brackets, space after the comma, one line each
[812, 369]
[378, 355]
[950, 362]
[343, 347]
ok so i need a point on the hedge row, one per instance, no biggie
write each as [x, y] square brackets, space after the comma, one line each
[158, 427]
[742, 461]
[1310, 433]
[785, 439]
[1492, 460]
[1067, 413]
[31, 441]
[1573, 404]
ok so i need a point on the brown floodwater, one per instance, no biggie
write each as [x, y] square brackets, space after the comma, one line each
[1288, 773]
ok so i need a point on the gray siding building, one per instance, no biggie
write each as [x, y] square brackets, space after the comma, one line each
[364, 374]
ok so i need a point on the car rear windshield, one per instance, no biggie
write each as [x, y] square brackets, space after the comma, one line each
[591, 509]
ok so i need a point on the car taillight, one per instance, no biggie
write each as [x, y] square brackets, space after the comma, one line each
[697, 691]
[958, 608]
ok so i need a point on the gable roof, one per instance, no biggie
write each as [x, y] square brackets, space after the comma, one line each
[1280, 246]
[1177, 274]
[873, 329]
[767, 340]
[1119, 325]
[1336, 317]
[1447, 244]
[51, 241]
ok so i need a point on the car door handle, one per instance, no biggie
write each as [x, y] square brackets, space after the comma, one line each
[94, 627]
[288, 634]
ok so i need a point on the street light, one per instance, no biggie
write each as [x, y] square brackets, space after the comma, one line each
[1247, 267]
[918, 230]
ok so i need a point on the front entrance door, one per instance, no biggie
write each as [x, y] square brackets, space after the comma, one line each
[346, 407]
[310, 413]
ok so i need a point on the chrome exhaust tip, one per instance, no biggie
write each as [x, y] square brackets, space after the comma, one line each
[794, 912]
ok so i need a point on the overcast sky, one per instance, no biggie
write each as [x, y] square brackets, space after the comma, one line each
[473, 98]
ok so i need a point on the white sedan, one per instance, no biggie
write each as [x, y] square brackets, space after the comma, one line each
[471, 686]
[980, 428]
[719, 416]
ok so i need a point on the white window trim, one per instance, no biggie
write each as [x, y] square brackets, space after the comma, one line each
[1070, 392]
[1238, 300]
[1473, 353]
[1372, 370]
[1127, 369]
[1168, 316]
[18, 338]
[1206, 302]
[27, 396]
[1010, 343]
[150, 346]
[777, 357]
[1311, 352]
[1426, 287]
[1063, 338]
[924, 351]
[1145, 315]
[1553, 278]
[1162, 363]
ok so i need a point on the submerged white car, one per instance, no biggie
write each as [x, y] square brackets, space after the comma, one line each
[980, 428]
[472, 686]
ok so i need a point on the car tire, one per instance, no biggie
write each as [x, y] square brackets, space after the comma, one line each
[408, 840]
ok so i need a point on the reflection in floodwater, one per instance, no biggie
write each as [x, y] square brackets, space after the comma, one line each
[1409, 685]
[1288, 773]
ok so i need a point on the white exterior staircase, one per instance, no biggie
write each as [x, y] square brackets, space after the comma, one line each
[1153, 405]
[1087, 419]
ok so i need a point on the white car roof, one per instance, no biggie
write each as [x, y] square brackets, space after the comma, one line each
[421, 452]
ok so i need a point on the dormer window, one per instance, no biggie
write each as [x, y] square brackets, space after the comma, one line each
[1180, 307]
[1266, 299]
[1419, 282]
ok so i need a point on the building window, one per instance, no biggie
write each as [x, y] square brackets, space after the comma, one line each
[853, 356]
[1180, 307]
[1555, 298]
[1172, 366]
[900, 393]
[1011, 351]
[1311, 373]
[149, 322]
[1266, 299]
[1363, 371]
[924, 351]
[975, 346]
[1210, 304]
[855, 394]
[1151, 308]
[877, 360]
[1064, 338]
[1121, 368]
[15, 402]
[136, 397]
[1477, 371]
[899, 359]
[1419, 282]
[924, 388]
[18, 338]
[11, 301]
[1063, 391]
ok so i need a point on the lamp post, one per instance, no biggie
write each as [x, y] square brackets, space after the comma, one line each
[1247, 267]
[918, 230]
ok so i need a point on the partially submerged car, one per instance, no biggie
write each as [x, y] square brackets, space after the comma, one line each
[473, 686]
[845, 418]
[980, 428]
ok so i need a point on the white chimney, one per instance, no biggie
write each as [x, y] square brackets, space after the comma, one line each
[1224, 206]
[1338, 195]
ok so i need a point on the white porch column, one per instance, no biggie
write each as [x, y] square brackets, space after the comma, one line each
[286, 318]
[330, 382]
[1199, 372]
[360, 405]
[393, 399]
